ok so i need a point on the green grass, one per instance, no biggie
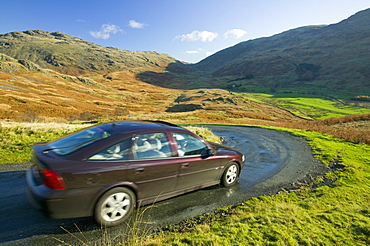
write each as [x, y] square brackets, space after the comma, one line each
[338, 214]
[306, 106]
[205, 133]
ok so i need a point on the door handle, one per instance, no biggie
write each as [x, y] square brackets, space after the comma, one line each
[185, 165]
[139, 170]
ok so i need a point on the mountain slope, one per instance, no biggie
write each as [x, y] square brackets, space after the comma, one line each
[27, 90]
[335, 56]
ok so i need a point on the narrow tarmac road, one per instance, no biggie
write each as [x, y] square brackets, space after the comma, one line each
[274, 160]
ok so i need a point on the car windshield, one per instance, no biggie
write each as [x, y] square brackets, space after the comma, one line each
[71, 143]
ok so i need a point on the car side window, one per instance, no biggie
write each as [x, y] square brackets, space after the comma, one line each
[187, 144]
[119, 151]
[152, 146]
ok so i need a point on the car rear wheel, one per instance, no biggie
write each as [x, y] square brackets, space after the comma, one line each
[115, 206]
[230, 175]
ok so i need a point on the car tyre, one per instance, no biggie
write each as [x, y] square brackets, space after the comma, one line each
[230, 176]
[114, 206]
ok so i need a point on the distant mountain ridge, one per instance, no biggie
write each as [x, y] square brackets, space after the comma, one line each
[336, 55]
[70, 55]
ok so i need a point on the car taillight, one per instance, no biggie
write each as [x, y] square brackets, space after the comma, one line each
[53, 180]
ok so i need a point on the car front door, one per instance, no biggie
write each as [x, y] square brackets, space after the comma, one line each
[197, 169]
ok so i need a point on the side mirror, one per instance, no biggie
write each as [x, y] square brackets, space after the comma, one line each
[207, 153]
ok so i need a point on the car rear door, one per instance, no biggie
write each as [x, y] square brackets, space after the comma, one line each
[152, 168]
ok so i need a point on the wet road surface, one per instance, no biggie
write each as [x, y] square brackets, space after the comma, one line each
[274, 160]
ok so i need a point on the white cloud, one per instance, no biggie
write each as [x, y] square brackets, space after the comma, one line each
[235, 33]
[100, 35]
[135, 24]
[192, 52]
[197, 51]
[204, 36]
[106, 31]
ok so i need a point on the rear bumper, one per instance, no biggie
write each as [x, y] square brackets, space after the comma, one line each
[57, 204]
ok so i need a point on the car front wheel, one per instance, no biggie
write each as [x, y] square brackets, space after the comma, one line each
[115, 206]
[230, 175]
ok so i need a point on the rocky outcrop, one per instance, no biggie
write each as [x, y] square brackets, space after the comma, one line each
[184, 107]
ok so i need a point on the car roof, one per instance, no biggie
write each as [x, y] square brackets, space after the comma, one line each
[130, 126]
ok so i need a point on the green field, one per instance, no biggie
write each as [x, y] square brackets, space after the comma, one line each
[306, 106]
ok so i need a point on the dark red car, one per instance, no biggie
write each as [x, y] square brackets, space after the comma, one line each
[107, 169]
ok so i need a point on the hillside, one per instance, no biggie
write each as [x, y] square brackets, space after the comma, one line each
[26, 89]
[331, 58]
[29, 92]
[325, 60]
[53, 75]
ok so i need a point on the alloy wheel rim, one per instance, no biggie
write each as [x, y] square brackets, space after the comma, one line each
[115, 207]
[231, 174]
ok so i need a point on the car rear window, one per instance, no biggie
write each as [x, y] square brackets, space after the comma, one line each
[71, 143]
[116, 152]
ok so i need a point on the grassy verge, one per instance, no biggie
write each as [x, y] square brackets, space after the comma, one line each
[205, 134]
[337, 214]
[18, 138]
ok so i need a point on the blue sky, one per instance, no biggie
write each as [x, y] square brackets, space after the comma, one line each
[188, 30]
